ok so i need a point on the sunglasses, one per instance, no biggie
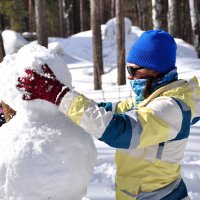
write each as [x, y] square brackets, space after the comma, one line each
[132, 70]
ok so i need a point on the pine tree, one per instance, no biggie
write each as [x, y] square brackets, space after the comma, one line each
[15, 12]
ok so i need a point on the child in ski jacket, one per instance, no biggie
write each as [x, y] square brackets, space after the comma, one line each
[149, 132]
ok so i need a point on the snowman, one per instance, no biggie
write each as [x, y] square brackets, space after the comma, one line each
[44, 155]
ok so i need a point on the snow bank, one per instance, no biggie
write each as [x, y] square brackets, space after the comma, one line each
[79, 45]
[13, 41]
[110, 30]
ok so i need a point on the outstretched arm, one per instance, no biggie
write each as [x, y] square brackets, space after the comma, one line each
[131, 129]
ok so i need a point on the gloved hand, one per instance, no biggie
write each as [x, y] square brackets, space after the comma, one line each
[45, 86]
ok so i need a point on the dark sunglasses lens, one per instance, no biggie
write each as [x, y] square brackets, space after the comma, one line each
[131, 70]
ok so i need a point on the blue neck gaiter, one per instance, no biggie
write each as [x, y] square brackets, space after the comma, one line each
[138, 85]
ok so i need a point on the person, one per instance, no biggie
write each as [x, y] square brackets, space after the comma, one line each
[149, 132]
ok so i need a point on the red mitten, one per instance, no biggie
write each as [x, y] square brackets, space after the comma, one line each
[45, 86]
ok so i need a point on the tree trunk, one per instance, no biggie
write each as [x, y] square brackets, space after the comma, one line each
[140, 12]
[185, 26]
[96, 42]
[121, 77]
[105, 8]
[30, 16]
[85, 15]
[76, 17]
[112, 8]
[131, 11]
[147, 22]
[2, 22]
[69, 17]
[195, 21]
[160, 10]
[65, 31]
[2, 51]
[8, 111]
[136, 13]
[173, 20]
[41, 22]
[61, 18]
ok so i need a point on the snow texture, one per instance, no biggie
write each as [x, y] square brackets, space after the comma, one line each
[13, 41]
[44, 155]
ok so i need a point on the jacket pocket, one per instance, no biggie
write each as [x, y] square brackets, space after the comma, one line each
[126, 188]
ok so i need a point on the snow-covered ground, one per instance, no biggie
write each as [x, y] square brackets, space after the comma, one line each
[77, 53]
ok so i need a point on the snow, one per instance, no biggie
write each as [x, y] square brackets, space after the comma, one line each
[44, 155]
[12, 41]
[76, 52]
[80, 44]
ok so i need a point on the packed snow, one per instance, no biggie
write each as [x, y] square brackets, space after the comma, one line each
[44, 155]
[76, 52]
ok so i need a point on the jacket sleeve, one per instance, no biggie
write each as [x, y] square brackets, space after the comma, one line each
[118, 107]
[158, 122]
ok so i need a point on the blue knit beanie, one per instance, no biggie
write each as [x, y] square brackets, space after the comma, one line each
[154, 49]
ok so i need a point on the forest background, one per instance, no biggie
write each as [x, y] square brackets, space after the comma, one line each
[63, 18]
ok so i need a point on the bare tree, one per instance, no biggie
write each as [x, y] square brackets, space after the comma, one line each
[30, 15]
[96, 42]
[195, 21]
[173, 18]
[179, 23]
[69, 17]
[2, 22]
[139, 11]
[61, 4]
[76, 16]
[85, 15]
[185, 27]
[131, 11]
[147, 22]
[8, 111]
[2, 51]
[159, 11]
[41, 22]
[112, 8]
[121, 77]
[105, 8]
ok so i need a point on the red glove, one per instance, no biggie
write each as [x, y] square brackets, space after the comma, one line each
[45, 86]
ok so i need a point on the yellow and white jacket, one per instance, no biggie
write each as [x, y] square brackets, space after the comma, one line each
[150, 138]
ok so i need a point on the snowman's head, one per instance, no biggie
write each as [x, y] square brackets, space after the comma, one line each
[31, 56]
